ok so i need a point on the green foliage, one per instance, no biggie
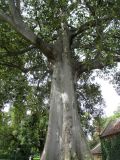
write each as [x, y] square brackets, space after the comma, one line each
[90, 103]
[26, 136]
[111, 147]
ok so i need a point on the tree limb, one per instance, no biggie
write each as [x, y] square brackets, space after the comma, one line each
[11, 65]
[90, 7]
[18, 5]
[82, 67]
[88, 25]
[19, 52]
[22, 69]
[22, 28]
[116, 58]
[6, 18]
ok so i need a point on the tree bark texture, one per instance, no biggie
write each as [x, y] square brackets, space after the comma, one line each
[65, 139]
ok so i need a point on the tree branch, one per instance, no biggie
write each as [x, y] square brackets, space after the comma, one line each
[82, 67]
[22, 28]
[6, 18]
[18, 5]
[19, 52]
[116, 58]
[11, 65]
[90, 7]
[88, 25]
[22, 69]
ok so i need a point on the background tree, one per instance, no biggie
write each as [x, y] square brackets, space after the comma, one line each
[22, 138]
[76, 37]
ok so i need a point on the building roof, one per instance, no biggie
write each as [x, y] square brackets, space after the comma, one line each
[96, 149]
[112, 128]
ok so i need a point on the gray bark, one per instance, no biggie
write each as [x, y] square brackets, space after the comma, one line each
[65, 139]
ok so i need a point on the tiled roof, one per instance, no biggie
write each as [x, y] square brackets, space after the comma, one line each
[112, 128]
[96, 149]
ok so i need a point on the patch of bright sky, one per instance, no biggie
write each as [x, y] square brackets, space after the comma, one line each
[6, 108]
[112, 99]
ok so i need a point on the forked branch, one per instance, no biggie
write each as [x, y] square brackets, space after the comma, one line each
[22, 28]
[89, 24]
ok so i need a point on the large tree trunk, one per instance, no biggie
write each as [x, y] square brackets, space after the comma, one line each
[65, 139]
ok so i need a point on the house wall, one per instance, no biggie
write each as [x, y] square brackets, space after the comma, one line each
[97, 157]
